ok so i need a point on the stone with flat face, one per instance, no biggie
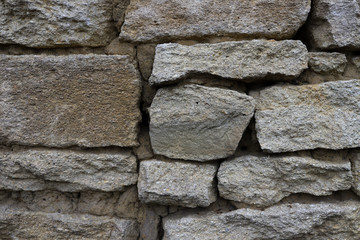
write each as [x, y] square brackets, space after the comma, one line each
[242, 60]
[159, 21]
[327, 63]
[84, 100]
[195, 122]
[291, 118]
[56, 23]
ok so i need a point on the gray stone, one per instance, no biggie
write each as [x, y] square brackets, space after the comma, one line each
[15, 224]
[159, 21]
[323, 62]
[263, 180]
[145, 57]
[56, 23]
[61, 101]
[180, 183]
[356, 61]
[355, 167]
[320, 221]
[194, 122]
[335, 24]
[243, 60]
[66, 170]
[292, 118]
[97, 203]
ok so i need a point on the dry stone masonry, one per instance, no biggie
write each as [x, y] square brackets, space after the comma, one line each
[180, 119]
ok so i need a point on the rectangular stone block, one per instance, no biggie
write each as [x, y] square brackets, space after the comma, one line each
[291, 118]
[156, 20]
[34, 169]
[61, 101]
[56, 23]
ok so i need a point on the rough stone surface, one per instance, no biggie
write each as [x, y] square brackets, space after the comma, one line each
[66, 170]
[56, 23]
[356, 61]
[335, 24]
[318, 221]
[177, 183]
[155, 20]
[355, 167]
[194, 122]
[86, 100]
[242, 60]
[263, 180]
[16, 224]
[291, 118]
[323, 62]
[145, 56]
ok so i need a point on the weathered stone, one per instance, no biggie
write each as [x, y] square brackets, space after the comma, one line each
[356, 61]
[16, 224]
[144, 151]
[194, 122]
[120, 48]
[318, 221]
[145, 57]
[66, 170]
[149, 223]
[323, 62]
[86, 100]
[263, 180]
[335, 24]
[118, 13]
[291, 118]
[128, 204]
[97, 203]
[154, 20]
[243, 60]
[355, 167]
[56, 23]
[177, 183]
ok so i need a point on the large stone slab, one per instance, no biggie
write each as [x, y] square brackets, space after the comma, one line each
[195, 122]
[179, 183]
[263, 180]
[355, 167]
[291, 118]
[335, 24]
[66, 170]
[16, 224]
[155, 20]
[85, 100]
[288, 221]
[243, 60]
[56, 23]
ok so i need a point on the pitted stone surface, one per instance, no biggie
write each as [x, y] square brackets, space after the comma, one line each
[56, 23]
[194, 122]
[179, 183]
[242, 60]
[296, 221]
[66, 170]
[263, 180]
[323, 62]
[355, 167]
[60, 101]
[159, 21]
[292, 118]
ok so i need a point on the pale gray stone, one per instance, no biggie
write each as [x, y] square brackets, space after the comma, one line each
[159, 21]
[195, 122]
[66, 170]
[61, 101]
[320, 221]
[291, 118]
[356, 61]
[355, 167]
[56, 23]
[170, 182]
[263, 180]
[15, 224]
[323, 62]
[242, 60]
[335, 24]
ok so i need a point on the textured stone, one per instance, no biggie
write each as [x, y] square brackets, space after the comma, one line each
[155, 20]
[86, 100]
[323, 62]
[194, 122]
[263, 180]
[16, 224]
[243, 60]
[320, 221]
[335, 24]
[66, 170]
[145, 57]
[356, 61]
[97, 203]
[177, 183]
[56, 23]
[291, 118]
[355, 167]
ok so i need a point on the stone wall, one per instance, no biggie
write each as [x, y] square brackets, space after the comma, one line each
[180, 119]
